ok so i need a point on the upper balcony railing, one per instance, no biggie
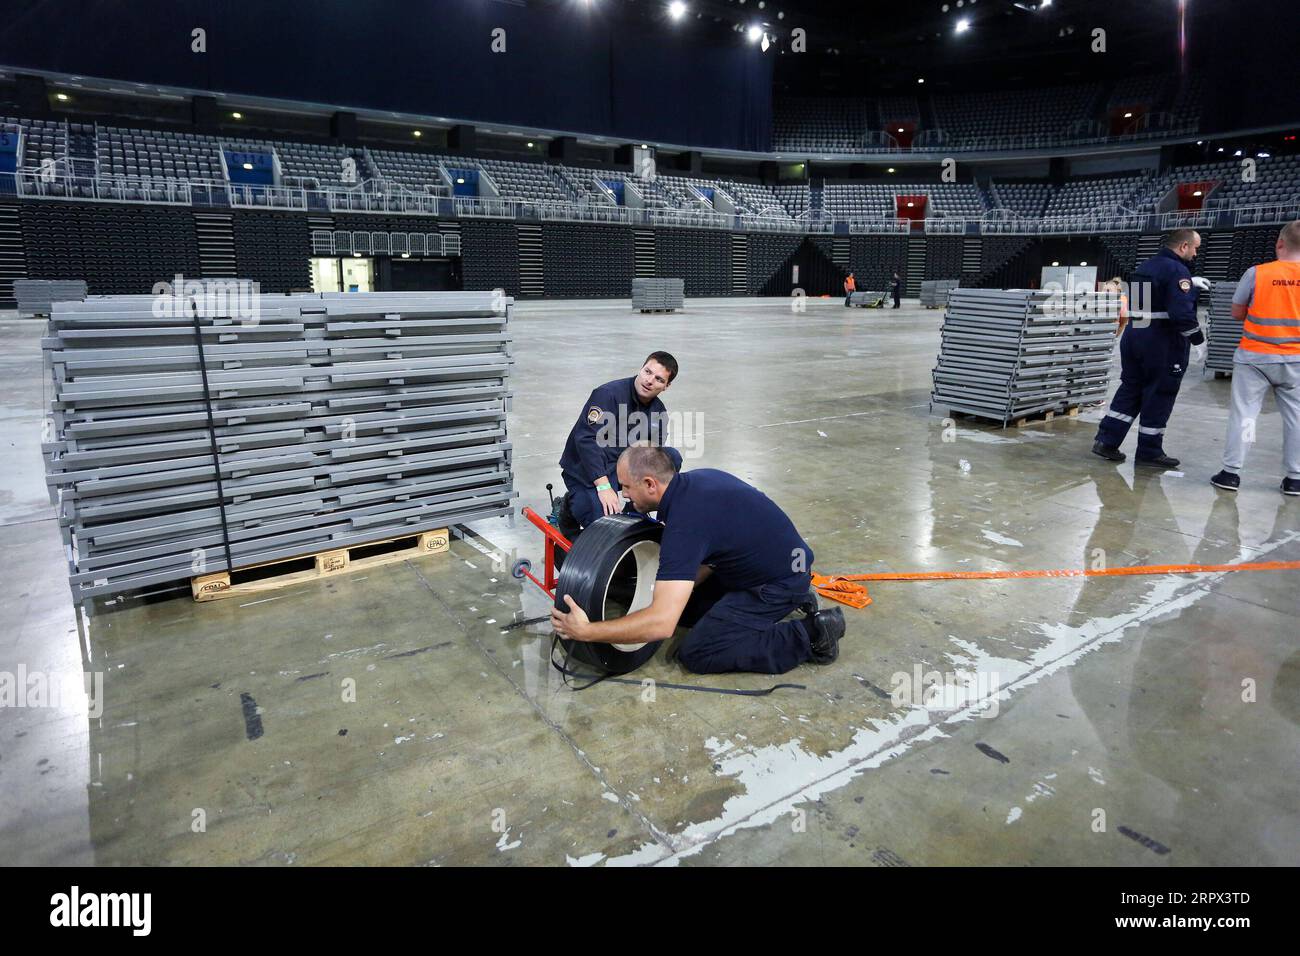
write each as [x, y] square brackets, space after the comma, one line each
[379, 196]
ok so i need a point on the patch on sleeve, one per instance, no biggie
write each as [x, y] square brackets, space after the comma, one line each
[1185, 285]
[593, 416]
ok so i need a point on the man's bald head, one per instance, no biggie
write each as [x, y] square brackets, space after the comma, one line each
[643, 476]
[645, 461]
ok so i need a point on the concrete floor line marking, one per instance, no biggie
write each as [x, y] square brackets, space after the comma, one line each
[660, 837]
[827, 418]
[1185, 591]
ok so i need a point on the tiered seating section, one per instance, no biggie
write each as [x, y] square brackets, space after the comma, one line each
[986, 117]
[153, 156]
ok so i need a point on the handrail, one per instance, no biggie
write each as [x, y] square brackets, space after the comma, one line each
[387, 196]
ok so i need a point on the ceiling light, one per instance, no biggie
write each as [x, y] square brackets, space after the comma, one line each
[406, 255]
[920, 79]
[910, 205]
[248, 165]
[530, 145]
[236, 115]
[61, 96]
[1128, 115]
[1237, 153]
[890, 169]
[962, 25]
[1220, 149]
[677, 9]
[1083, 263]
[460, 180]
[1197, 193]
[416, 133]
[1200, 142]
[754, 33]
[1055, 263]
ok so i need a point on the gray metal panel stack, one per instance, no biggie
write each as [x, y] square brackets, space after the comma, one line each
[336, 419]
[1008, 354]
[935, 292]
[657, 294]
[35, 296]
[1224, 331]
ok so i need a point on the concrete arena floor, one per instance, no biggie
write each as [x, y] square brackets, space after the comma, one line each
[1120, 735]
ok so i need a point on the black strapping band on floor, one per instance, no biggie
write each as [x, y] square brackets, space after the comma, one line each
[212, 440]
[711, 690]
[593, 679]
[524, 623]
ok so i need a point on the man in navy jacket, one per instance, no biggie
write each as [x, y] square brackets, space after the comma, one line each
[616, 416]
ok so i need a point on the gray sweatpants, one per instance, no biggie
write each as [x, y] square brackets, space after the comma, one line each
[1249, 385]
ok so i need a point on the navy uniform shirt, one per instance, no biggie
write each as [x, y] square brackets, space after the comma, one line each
[711, 517]
[613, 419]
[1162, 289]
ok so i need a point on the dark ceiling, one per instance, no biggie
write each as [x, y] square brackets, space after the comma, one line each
[866, 46]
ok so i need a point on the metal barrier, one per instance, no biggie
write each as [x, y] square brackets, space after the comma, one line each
[404, 244]
[878, 226]
[42, 184]
[946, 226]
[267, 197]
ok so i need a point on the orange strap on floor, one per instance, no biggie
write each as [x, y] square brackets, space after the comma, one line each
[845, 589]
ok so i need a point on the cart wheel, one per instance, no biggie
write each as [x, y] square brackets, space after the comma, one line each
[519, 567]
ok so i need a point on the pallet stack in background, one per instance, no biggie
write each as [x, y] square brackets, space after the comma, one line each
[1015, 353]
[320, 422]
[935, 292]
[1224, 331]
[657, 295]
[35, 296]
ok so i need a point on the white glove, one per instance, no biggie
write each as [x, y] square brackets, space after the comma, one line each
[1201, 283]
[1198, 353]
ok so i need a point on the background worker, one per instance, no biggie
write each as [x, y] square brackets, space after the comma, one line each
[850, 286]
[1154, 352]
[1117, 285]
[896, 289]
[731, 546]
[1267, 302]
[616, 415]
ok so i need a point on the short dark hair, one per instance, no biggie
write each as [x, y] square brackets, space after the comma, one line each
[666, 360]
[1179, 236]
[643, 460]
[1290, 235]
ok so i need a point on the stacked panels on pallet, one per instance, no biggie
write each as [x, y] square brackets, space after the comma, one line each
[35, 296]
[1224, 331]
[657, 294]
[1008, 354]
[317, 422]
[935, 292]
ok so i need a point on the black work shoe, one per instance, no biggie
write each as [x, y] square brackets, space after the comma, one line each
[1159, 461]
[809, 605]
[1291, 486]
[827, 629]
[1226, 480]
[1109, 452]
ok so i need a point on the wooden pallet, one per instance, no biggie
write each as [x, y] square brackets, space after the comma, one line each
[272, 575]
[1047, 416]
[644, 311]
